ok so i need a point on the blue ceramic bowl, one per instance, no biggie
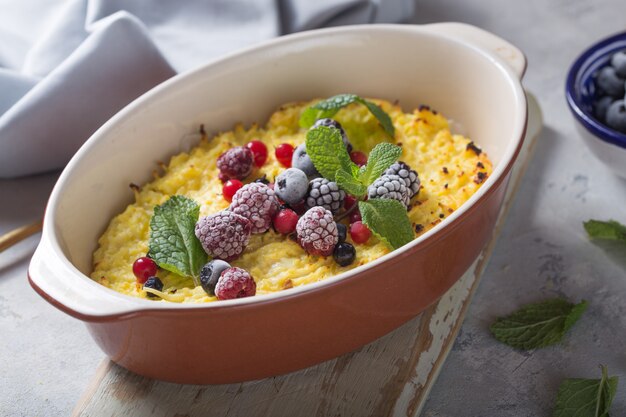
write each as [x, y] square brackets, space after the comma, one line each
[607, 144]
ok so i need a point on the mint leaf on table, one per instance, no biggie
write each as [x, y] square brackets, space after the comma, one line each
[329, 107]
[327, 152]
[586, 397]
[610, 230]
[173, 243]
[539, 324]
[381, 157]
[388, 220]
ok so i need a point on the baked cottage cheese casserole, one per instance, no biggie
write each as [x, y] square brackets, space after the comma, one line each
[323, 187]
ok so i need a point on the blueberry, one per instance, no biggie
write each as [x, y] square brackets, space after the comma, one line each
[344, 254]
[618, 61]
[342, 230]
[336, 125]
[302, 161]
[610, 83]
[154, 283]
[291, 185]
[210, 273]
[601, 106]
[263, 180]
[616, 116]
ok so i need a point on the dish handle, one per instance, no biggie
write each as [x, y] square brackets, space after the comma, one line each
[509, 54]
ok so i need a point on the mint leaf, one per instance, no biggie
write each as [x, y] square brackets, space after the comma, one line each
[326, 108]
[349, 184]
[381, 157]
[383, 118]
[330, 107]
[327, 151]
[388, 220]
[611, 230]
[586, 397]
[539, 324]
[173, 243]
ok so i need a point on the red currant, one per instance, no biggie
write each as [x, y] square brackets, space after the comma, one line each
[358, 158]
[284, 152]
[229, 189]
[259, 150]
[355, 216]
[144, 268]
[359, 232]
[285, 221]
[349, 201]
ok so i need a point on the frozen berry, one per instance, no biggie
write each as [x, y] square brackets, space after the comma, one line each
[291, 185]
[302, 161]
[344, 254]
[355, 216]
[325, 193]
[222, 177]
[259, 151]
[284, 153]
[224, 235]
[235, 283]
[256, 202]
[616, 116]
[359, 232]
[618, 61]
[210, 274]
[263, 180]
[317, 231]
[336, 125]
[408, 175]
[236, 162]
[342, 232]
[229, 189]
[285, 221]
[610, 82]
[144, 268]
[155, 284]
[389, 187]
[349, 201]
[358, 158]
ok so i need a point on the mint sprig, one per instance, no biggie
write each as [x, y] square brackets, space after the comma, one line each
[586, 397]
[539, 324]
[387, 219]
[610, 230]
[327, 152]
[329, 107]
[381, 157]
[173, 243]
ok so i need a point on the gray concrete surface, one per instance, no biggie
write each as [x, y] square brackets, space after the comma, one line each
[47, 358]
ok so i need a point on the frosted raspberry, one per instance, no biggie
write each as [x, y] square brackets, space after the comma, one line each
[224, 235]
[317, 232]
[236, 163]
[235, 283]
[257, 203]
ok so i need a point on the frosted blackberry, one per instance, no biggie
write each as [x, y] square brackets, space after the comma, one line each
[317, 232]
[236, 163]
[224, 235]
[336, 125]
[324, 193]
[256, 202]
[302, 161]
[410, 176]
[390, 187]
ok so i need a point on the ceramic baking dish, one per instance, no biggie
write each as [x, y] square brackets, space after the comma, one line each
[470, 75]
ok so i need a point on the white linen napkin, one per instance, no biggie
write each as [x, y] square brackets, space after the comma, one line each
[68, 66]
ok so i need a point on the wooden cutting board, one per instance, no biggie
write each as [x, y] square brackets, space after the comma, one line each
[391, 376]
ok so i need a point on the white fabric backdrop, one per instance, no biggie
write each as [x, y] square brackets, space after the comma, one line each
[68, 66]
